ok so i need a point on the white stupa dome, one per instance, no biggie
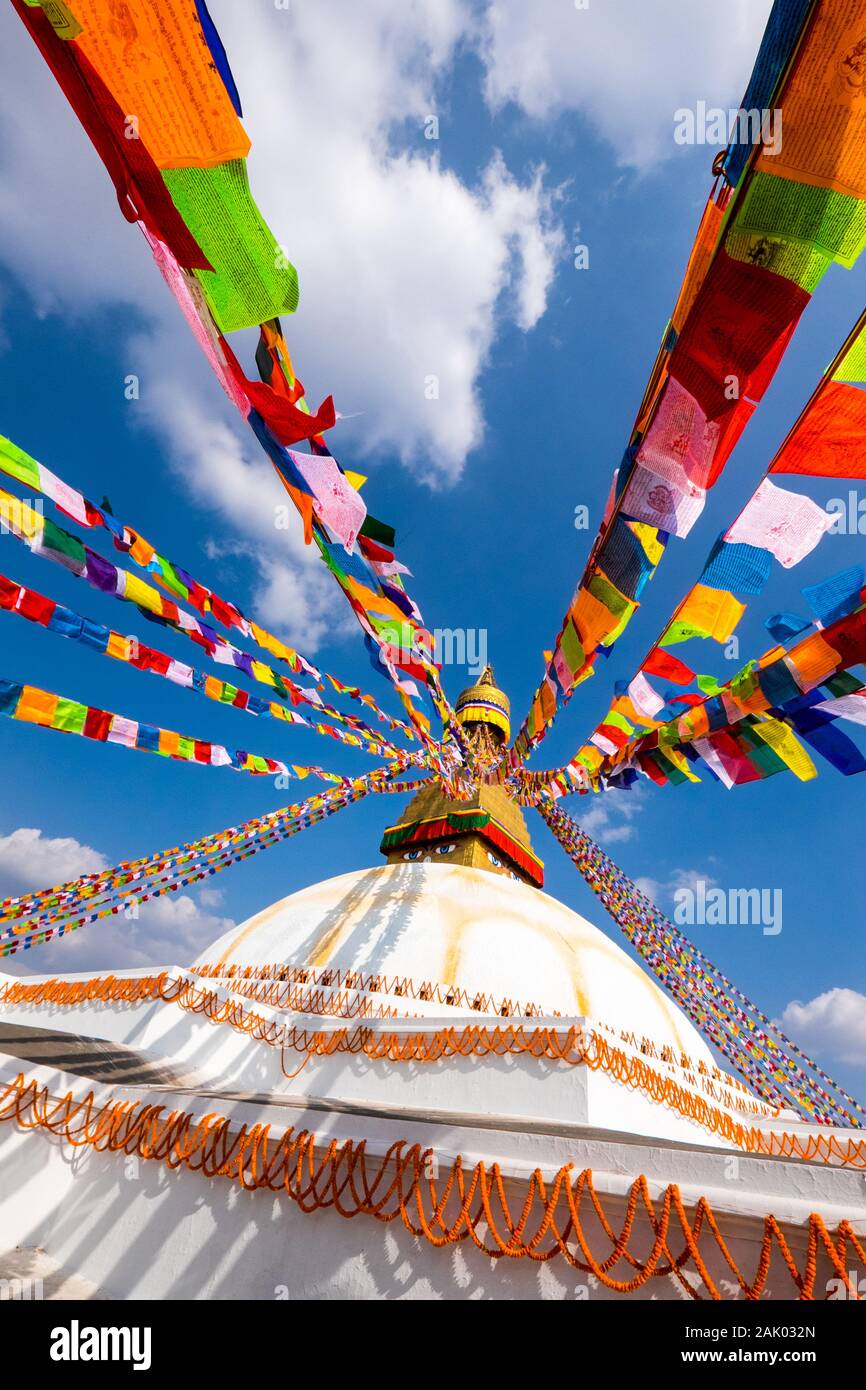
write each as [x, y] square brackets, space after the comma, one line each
[454, 925]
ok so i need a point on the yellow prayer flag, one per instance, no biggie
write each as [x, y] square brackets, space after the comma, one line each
[681, 762]
[137, 591]
[713, 611]
[649, 539]
[118, 646]
[786, 746]
[18, 518]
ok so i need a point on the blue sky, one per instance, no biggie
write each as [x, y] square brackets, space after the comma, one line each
[452, 257]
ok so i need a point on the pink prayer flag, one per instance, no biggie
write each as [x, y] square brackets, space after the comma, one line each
[389, 567]
[180, 673]
[851, 707]
[662, 502]
[562, 669]
[64, 496]
[787, 524]
[338, 505]
[681, 441]
[645, 699]
[603, 743]
[188, 293]
[712, 759]
[123, 731]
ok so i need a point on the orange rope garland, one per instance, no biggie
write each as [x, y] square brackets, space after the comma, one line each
[575, 1047]
[467, 1204]
[110, 989]
[248, 981]
[401, 985]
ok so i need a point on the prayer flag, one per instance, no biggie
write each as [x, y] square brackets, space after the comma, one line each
[785, 523]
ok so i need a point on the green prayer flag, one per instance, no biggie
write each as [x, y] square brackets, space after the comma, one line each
[572, 648]
[70, 716]
[19, 465]
[252, 280]
[832, 223]
[378, 531]
[62, 543]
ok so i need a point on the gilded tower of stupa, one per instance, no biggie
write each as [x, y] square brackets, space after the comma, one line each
[486, 832]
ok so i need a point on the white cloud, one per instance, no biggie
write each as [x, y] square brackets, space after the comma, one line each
[832, 1024]
[624, 64]
[171, 930]
[406, 271]
[29, 859]
[402, 264]
[611, 814]
[174, 930]
[661, 891]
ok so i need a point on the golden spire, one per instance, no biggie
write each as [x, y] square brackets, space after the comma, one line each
[484, 706]
[486, 832]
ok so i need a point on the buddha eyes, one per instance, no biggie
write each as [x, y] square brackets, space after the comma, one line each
[497, 863]
[414, 854]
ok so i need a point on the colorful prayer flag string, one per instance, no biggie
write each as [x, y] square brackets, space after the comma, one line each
[773, 1065]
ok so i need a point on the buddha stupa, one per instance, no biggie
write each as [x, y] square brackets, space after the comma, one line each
[435, 1048]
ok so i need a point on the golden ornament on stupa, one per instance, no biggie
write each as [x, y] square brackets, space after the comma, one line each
[486, 832]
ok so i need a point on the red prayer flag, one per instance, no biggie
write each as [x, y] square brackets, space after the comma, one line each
[738, 328]
[652, 770]
[847, 637]
[830, 441]
[286, 421]
[670, 668]
[36, 607]
[734, 760]
[97, 724]
[9, 592]
[614, 734]
[374, 551]
[141, 191]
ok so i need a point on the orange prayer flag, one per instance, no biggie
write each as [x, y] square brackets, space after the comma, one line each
[830, 441]
[36, 706]
[594, 622]
[372, 602]
[824, 110]
[547, 700]
[699, 260]
[155, 61]
[304, 503]
[813, 660]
